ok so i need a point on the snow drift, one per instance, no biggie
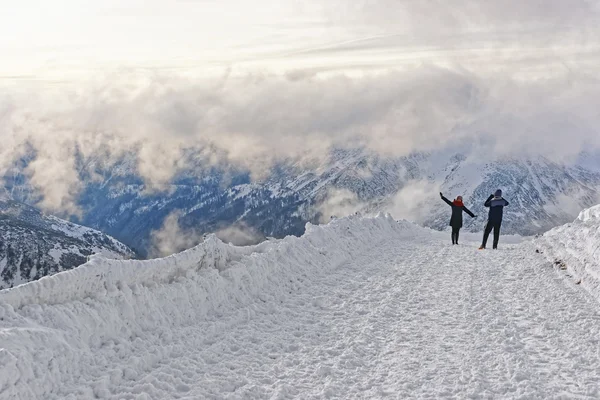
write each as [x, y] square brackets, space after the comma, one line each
[61, 334]
[590, 214]
[577, 247]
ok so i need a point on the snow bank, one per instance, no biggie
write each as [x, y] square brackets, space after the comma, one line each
[592, 213]
[74, 334]
[577, 246]
[102, 275]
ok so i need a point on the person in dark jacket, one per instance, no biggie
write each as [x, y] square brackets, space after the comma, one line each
[496, 204]
[456, 221]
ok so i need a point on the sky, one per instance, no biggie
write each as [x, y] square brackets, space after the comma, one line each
[66, 40]
[250, 83]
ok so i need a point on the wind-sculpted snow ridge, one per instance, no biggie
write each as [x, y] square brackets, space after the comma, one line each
[80, 332]
[575, 247]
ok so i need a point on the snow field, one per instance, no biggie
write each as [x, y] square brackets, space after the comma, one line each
[63, 332]
[360, 308]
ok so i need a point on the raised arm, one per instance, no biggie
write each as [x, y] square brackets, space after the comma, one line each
[445, 199]
[465, 209]
[488, 202]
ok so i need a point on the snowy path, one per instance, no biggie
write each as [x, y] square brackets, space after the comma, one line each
[395, 324]
[406, 319]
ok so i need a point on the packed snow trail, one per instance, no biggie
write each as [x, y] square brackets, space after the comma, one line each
[405, 316]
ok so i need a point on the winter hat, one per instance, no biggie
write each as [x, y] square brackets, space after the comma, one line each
[498, 193]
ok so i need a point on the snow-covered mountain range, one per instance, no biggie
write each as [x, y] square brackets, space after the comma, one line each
[543, 193]
[33, 245]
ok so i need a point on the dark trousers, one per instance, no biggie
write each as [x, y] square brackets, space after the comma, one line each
[495, 225]
[455, 232]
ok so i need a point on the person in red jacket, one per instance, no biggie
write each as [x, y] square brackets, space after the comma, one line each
[456, 221]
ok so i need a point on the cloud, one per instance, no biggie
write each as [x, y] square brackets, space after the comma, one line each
[395, 77]
[240, 234]
[568, 205]
[412, 200]
[339, 203]
[435, 18]
[169, 124]
[171, 238]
